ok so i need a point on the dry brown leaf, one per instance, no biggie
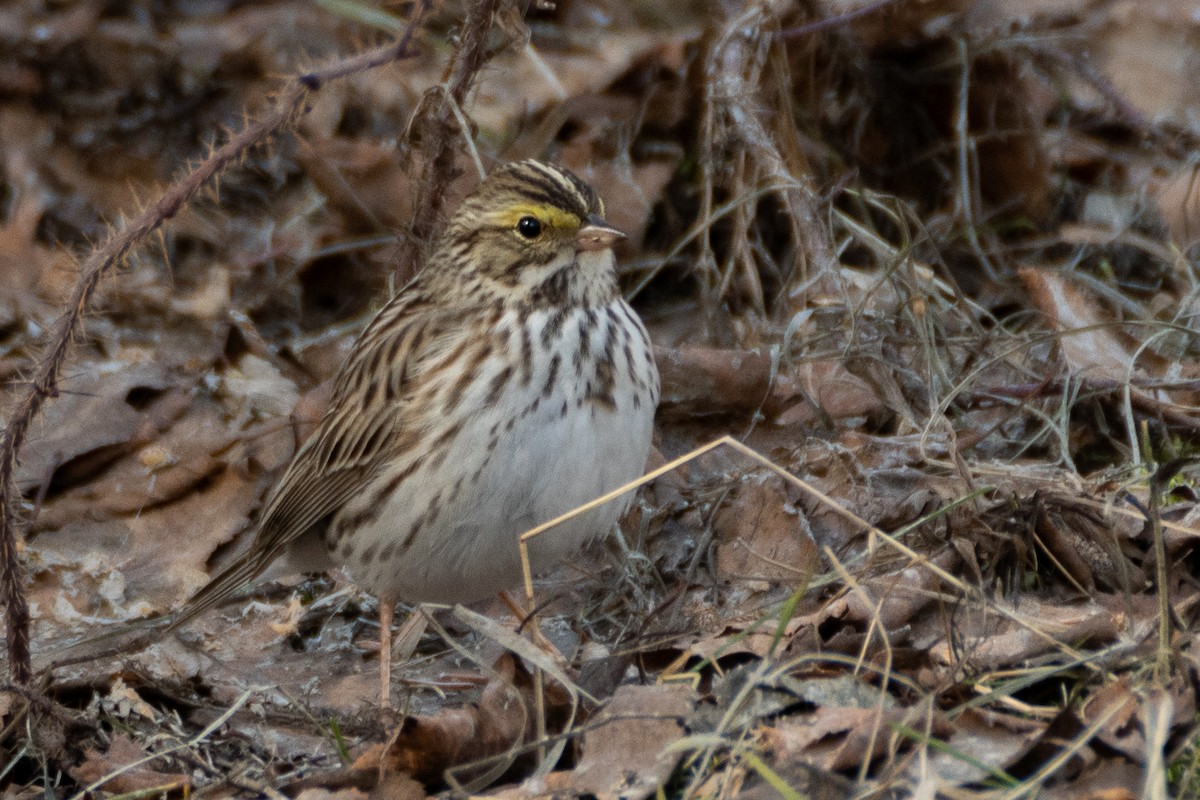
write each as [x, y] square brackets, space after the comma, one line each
[840, 737]
[1123, 731]
[168, 554]
[177, 462]
[1085, 544]
[762, 536]
[1146, 48]
[520, 83]
[1103, 779]
[346, 794]
[624, 746]
[429, 745]
[756, 636]
[992, 739]
[126, 568]
[700, 381]
[106, 410]
[996, 642]
[1091, 348]
[121, 752]
[1178, 199]
[830, 391]
[894, 599]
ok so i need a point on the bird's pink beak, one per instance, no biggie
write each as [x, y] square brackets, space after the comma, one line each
[597, 235]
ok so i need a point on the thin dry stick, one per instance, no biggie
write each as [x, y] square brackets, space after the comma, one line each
[292, 103]
[968, 161]
[876, 607]
[1158, 485]
[442, 127]
[1136, 388]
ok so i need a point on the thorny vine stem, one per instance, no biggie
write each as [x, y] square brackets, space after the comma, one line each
[43, 384]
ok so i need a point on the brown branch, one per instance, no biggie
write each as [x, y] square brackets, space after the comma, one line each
[1138, 397]
[44, 383]
[707, 380]
[441, 128]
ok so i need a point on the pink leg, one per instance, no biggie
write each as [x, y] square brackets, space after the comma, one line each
[386, 609]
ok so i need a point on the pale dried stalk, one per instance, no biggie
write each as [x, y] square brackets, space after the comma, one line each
[744, 66]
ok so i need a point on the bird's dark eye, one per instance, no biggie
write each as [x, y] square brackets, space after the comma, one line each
[529, 227]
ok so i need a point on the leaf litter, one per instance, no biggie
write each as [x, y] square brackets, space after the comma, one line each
[936, 260]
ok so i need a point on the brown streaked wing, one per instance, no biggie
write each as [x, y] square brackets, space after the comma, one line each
[354, 437]
[324, 474]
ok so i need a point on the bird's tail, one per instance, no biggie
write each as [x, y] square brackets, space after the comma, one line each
[131, 637]
[228, 581]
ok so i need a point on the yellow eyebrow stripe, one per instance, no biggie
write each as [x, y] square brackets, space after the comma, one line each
[548, 215]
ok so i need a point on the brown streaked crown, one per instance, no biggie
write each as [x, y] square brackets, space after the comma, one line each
[541, 184]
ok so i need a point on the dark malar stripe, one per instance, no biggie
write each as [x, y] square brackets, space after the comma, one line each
[552, 292]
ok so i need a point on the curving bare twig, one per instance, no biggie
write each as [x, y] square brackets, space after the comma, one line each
[292, 104]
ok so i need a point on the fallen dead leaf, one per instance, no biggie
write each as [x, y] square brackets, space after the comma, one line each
[761, 536]
[106, 410]
[428, 746]
[839, 738]
[1090, 346]
[998, 642]
[122, 752]
[624, 746]
[1143, 49]
[1178, 200]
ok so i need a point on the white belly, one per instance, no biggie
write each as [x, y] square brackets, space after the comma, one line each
[449, 533]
